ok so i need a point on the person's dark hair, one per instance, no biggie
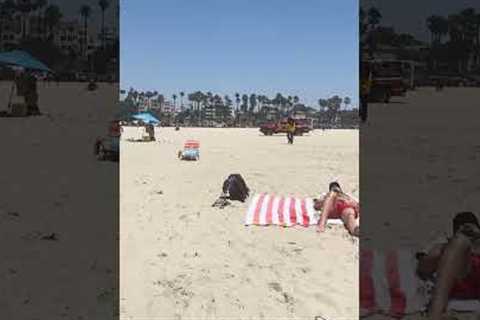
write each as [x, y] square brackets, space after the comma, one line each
[462, 218]
[334, 185]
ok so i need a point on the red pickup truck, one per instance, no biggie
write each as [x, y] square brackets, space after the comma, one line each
[302, 126]
[386, 78]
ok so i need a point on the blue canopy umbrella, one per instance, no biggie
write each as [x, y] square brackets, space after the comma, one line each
[22, 59]
[146, 117]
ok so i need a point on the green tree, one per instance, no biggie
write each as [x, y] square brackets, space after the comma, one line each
[253, 103]
[237, 101]
[103, 4]
[40, 7]
[323, 103]
[52, 17]
[438, 27]
[347, 101]
[182, 94]
[174, 97]
[374, 17]
[244, 106]
[85, 12]
[25, 7]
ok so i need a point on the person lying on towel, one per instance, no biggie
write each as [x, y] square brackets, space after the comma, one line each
[338, 205]
[453, 266]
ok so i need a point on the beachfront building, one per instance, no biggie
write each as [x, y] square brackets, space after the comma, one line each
[68, 35]
[11, 33]
[209, 114]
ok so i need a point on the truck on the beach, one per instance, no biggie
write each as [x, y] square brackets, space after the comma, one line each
[386, 78]
[301, 126]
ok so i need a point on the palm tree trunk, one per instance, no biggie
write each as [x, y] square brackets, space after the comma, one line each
[85, 32]
[1, 33]
[103, 28]
[24, 27]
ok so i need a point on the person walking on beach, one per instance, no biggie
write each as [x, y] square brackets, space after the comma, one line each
[290, 130]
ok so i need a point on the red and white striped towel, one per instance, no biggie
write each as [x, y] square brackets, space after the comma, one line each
[268, 209]
[388, 283]
[191, 144]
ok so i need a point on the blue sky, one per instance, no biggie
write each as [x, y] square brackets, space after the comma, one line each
[307, 48]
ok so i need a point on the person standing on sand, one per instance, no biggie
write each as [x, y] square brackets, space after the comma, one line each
[290, 130]
[31, 94]
[338, 205]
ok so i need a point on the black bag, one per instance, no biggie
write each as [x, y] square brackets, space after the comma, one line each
[236, 188]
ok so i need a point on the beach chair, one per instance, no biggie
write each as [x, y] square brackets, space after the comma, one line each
[191, 151]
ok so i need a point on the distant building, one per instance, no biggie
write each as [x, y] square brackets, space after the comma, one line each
[68, 34]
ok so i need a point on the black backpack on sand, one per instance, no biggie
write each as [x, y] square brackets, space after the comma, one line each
[236, 188]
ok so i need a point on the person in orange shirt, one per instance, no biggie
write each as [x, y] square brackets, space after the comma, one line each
[290, 130]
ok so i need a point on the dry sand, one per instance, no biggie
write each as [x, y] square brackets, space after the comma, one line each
[183, 259]
[50, 182]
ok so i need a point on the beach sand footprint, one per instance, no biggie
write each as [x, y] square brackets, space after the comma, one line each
[282, 296]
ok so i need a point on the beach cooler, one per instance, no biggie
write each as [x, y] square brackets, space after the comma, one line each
[191, 150]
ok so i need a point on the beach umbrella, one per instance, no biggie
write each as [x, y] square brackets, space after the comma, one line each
[146, 117]
[22, 59]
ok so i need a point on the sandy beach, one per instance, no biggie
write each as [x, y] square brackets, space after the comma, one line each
[183, 259]
[58, 207]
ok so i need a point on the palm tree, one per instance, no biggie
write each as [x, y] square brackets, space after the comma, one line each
[182, 94]
[52, 17]
[25, 7]
[237, 101]
[373, 20]
[208, 99]
[103, 4]
[174, 97]
[160, 101]
[323, 103]
[289, 104]
[374, 17]
[40, 6]
[244, 106]
[85, 12]
[347, 102]
[228, 105]
[438, 27]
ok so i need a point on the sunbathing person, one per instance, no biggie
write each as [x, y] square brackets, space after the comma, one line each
[454, 266]
[338, 205]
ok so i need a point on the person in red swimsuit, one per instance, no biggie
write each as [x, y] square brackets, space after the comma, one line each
[338, 205]
[455, 266]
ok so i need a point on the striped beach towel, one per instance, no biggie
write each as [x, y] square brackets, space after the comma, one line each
[191, 144]
[191, 150]
[389, 285]
[268, 209]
